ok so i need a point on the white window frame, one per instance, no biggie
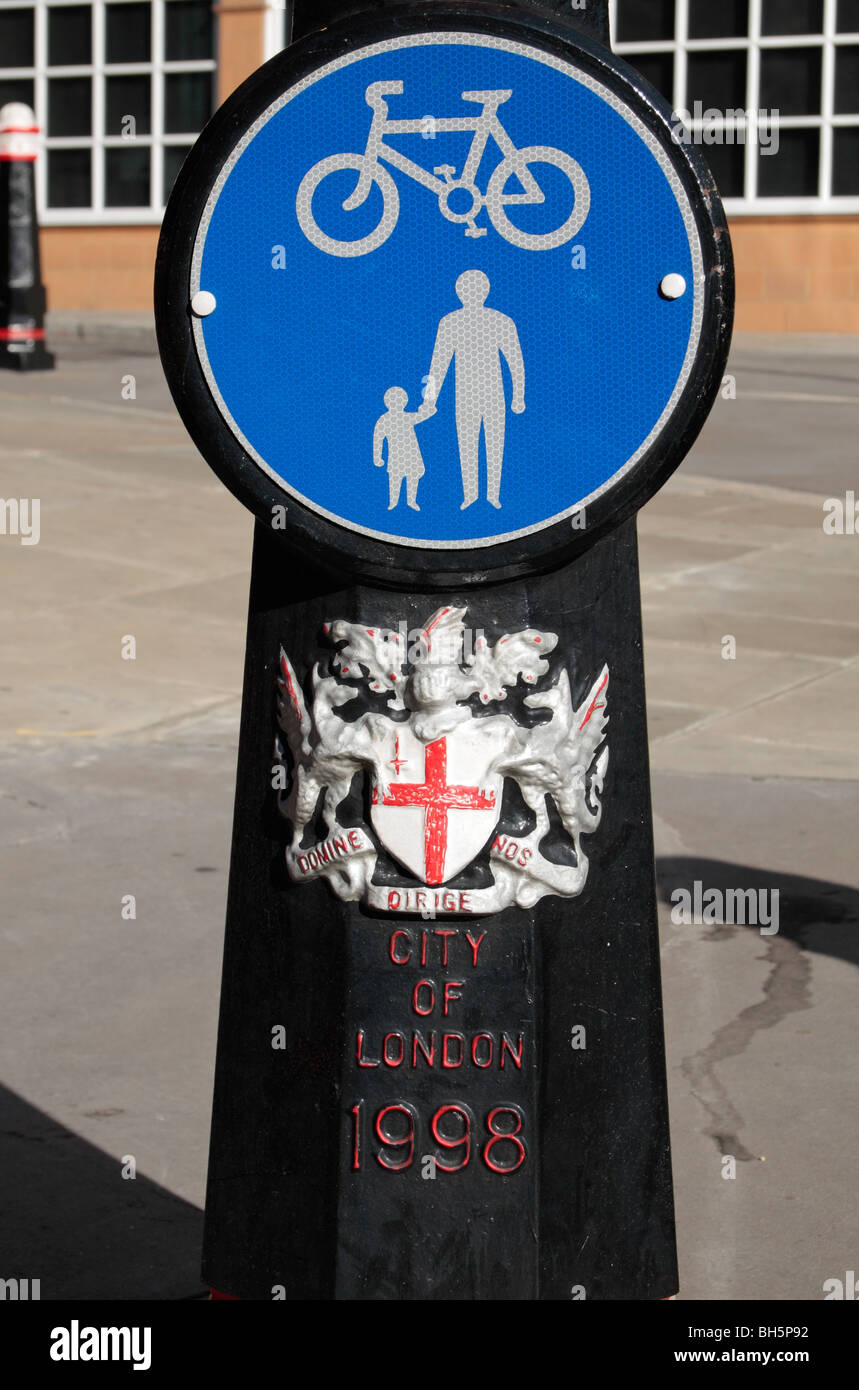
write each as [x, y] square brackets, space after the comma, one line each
[274, 28]
[97, 214]
[751, 203]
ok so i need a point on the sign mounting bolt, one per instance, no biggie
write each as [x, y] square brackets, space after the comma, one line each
[203, 303]
[672, 286]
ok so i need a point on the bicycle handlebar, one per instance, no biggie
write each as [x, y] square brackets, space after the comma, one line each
[377, 91]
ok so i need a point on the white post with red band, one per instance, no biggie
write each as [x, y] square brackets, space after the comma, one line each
[22, 294]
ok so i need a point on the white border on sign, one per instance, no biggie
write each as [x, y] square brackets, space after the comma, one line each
[563, 66]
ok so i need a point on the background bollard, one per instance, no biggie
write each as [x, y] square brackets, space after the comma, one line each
[22, 294]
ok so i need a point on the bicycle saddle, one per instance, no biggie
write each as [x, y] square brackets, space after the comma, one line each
[488, 98]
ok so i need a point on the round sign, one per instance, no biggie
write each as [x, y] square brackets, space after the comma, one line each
[445, 301]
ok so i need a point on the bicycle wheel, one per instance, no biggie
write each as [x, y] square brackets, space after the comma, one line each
[537, 154]
[304, 206]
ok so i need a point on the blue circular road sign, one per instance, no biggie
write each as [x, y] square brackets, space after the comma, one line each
[448, 291]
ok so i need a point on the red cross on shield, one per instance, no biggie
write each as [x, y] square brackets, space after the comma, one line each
[441, 803]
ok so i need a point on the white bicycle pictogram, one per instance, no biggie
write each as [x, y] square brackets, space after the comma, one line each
[443, 180]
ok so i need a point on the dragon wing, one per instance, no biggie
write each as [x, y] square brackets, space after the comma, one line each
[590, 720]
[586, 761]
[565, 754]
[293, 716]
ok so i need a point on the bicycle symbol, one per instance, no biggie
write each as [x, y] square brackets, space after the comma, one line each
[443, 181]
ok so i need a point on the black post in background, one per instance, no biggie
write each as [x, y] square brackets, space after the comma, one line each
[307, 16]
[22, 294]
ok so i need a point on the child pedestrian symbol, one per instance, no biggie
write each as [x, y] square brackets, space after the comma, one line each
[396, 428]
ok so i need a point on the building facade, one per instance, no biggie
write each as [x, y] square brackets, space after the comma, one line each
[769, 88]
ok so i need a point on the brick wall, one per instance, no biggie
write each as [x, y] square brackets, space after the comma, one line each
[797, 274]
[240, 42]
[108, 268]
[794, 274]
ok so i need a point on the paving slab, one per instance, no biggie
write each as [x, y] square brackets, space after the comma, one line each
[116, 779]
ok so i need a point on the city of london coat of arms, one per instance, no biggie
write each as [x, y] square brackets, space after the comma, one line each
[431, 726]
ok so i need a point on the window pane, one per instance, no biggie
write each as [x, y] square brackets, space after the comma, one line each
[847, 81]
[658, 68]
[16, 89]
[69, 35]
[640, 20]
[727, 20]
[848, 16]
[727, 163]
[126, 177]
[16, 38]
[187, 102]
[174, 158]
[68, 178]
[790, 81]
[845, 171]
[792, 172]
[188, 29]
[717, 80]
[128, 97]
[792, 17]
[69, 106]
[128, 34]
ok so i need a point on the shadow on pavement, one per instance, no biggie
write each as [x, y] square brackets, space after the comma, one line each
[69, 1219]
[813, 913]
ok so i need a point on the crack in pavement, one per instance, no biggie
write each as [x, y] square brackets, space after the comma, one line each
[786, 990]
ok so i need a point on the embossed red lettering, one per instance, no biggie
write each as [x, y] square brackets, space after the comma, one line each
[425, 986]
[359, 1052]
[475, 945]
[427, 1049]
[396, 956]
[504, 1136]
[444, 933]
[463, 1142]
[446, 1059]
[385, 1158]
[451, 994]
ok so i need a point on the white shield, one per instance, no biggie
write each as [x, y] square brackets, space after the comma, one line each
[440, 801]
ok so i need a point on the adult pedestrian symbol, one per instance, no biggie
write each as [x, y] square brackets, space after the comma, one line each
[478, 339]
[446, 290]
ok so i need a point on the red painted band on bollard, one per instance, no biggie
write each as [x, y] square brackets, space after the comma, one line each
[19, 334]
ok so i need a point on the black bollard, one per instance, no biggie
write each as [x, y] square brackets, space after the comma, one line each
[22, 294]
[440, 1070]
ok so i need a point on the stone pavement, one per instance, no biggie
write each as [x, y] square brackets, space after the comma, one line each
[116, 778]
